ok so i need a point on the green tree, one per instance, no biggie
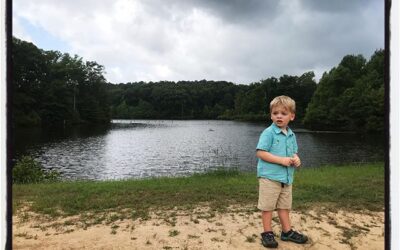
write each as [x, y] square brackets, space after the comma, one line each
[350, 96]
[50, 87]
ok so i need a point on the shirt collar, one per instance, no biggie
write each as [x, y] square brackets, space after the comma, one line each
[277, 130]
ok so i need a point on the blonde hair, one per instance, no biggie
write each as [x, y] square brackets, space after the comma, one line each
[284, 101]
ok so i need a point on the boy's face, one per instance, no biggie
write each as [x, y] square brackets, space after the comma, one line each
[281, 116]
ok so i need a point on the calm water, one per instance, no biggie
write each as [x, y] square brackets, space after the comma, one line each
[145, 148]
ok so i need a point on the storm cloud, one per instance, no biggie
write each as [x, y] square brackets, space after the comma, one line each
[238, 41]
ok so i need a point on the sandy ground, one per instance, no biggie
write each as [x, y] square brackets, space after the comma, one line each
[198, 229]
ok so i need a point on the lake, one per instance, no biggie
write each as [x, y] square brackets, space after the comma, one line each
[149, 148]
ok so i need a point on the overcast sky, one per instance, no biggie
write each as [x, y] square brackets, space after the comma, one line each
[241, 41]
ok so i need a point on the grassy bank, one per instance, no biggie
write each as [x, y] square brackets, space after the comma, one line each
[351, 186]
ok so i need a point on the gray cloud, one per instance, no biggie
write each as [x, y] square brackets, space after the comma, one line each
[238, 11]
[336, 5]
[239, 41]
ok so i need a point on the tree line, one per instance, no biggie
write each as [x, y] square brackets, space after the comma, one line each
[208, 99]
[50, 87]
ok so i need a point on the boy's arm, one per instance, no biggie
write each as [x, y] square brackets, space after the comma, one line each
[296, 158]
[268, 157]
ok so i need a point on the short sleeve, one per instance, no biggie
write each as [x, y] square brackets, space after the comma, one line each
[265, 141]
[295, 147]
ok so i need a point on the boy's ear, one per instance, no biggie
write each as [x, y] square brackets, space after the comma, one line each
[292, 117]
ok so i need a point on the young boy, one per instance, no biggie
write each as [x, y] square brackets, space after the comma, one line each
[277, 160]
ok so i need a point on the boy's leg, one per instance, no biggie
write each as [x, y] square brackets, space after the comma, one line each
[267, 237]
[266, 220]
[284, 205]
[268, 195]
[284, 219]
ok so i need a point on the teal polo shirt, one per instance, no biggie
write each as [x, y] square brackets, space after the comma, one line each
[274, 141]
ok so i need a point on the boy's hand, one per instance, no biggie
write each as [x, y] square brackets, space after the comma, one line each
[296, 161]
[287, 161]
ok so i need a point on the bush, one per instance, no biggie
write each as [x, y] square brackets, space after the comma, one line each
[27, 170]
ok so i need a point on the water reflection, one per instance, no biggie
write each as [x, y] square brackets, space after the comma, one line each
[143, 148]
[26, 139]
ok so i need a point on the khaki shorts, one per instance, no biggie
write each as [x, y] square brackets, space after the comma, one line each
[273, 196]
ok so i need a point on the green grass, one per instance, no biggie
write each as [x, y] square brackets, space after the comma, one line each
[352, 187]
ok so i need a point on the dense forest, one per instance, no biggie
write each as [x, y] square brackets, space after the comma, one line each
[208, 99]
[350, 96]
[50, 87]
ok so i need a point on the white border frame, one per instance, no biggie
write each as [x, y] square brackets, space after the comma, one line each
[3, 128]
[394, 121]
[394, 128]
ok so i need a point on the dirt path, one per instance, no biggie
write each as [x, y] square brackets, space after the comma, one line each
[199, 229]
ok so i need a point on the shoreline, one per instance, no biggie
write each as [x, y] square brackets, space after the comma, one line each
[350, 186]
[340, 207]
